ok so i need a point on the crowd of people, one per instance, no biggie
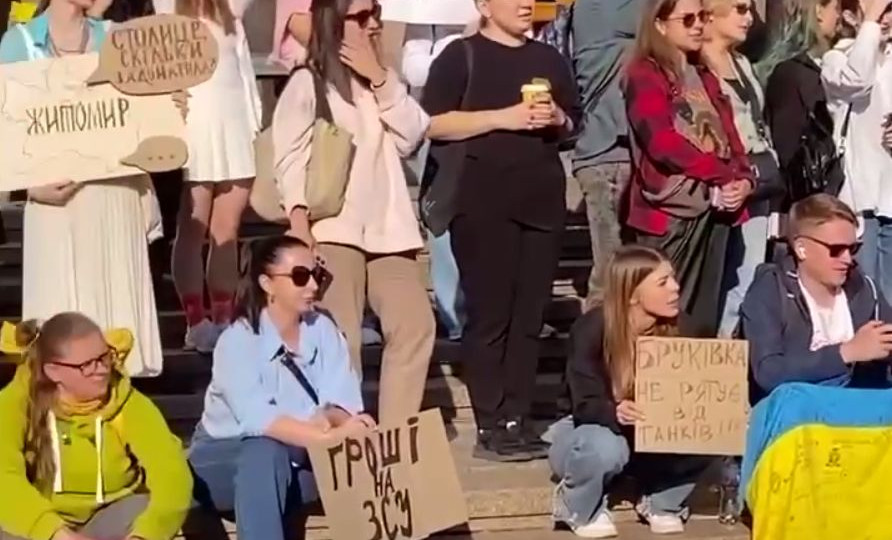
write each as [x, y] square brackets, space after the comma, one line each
[728, 195]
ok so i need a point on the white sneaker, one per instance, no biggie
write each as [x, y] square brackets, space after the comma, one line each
[202, 337]
[601, 527]
[665, 524]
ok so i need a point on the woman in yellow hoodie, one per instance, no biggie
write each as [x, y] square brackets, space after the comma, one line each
[84, 456]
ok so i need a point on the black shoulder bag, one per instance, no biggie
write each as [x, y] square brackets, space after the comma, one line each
[770, 183]
[443, 169]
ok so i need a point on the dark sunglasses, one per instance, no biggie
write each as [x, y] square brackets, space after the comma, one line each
[743, 9]
[362, 18]
[90, 367]
[300, 276]
[836, 250]
[688, 20]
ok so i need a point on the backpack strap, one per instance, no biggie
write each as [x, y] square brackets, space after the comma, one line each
[33, 51]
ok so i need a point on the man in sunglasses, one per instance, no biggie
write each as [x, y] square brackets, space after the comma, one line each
[815, 317]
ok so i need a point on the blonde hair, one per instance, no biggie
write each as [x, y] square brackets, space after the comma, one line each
[628, 267]
[816, 210]
[45, 343]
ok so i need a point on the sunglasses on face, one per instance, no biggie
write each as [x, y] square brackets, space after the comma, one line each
[90, 367]
[837, 250]
[300, 276]
[688, 20]
[362, 18]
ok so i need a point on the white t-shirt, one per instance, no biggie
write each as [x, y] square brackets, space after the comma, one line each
[832, 325]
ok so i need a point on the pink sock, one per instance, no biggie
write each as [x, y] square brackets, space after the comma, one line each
[221, 307]
[193, 305]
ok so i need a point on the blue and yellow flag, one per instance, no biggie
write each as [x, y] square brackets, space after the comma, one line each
[818, 464]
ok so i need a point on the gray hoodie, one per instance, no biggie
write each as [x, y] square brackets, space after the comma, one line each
[603, 32]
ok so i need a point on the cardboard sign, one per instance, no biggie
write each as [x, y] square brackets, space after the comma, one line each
[694, 395]
[398, 482]
[157, 55]
[55, 127]
[457, 12]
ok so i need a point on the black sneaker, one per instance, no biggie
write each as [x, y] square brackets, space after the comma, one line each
[520, 432]
[495, 445]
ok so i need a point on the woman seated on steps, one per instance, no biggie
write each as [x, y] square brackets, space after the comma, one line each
[596, 444]
[84, 456]
[281, 381]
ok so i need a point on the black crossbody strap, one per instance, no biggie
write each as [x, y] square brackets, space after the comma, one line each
[287, 359]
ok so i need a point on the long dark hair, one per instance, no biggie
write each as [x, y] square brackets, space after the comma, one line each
[45, 343]
[326, 36]
[251, 299]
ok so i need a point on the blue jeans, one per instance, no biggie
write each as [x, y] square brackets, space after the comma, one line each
[875, 257]
[747, 249]
[448, 297]
[260, 479]
[588, 457]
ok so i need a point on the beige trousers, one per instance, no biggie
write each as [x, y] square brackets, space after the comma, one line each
[395, 290]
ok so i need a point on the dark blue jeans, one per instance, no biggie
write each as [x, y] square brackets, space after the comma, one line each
[260, 479]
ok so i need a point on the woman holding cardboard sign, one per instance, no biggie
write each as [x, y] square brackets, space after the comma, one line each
[223, 121]
[282, 381]
[348, 118]
[594, 445]
[85, 245]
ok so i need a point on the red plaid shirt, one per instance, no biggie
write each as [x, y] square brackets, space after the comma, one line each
[650, 97]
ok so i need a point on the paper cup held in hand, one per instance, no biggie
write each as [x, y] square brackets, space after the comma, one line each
[157, 55]
[158, 154]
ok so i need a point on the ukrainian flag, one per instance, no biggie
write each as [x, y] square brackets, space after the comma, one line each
[818, 464]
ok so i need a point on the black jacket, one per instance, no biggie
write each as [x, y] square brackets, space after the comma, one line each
[794, 89]
[591, 394]
[775, 320]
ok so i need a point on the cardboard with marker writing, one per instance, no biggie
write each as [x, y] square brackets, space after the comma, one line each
[55, 127]
[108, 115]
[398, 482]
[157, 55]
[694, 394]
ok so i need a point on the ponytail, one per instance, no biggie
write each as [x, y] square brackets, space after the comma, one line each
[257, 258]
[42, 344]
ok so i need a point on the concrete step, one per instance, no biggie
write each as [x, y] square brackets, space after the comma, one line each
[514, 497]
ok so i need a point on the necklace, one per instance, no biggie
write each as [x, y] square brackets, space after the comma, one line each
[55, 50]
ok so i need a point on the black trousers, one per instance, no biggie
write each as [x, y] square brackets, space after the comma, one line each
[697, 249]
[168, 188]
[507, 270]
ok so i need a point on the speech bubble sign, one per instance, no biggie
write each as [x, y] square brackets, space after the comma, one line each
[160, 54]
[158, 154]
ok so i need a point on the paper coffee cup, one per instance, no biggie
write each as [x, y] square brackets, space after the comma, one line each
[531, 91]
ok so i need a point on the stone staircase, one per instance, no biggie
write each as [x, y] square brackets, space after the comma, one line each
[500, 497]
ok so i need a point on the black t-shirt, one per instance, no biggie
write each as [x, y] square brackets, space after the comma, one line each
[517, 175]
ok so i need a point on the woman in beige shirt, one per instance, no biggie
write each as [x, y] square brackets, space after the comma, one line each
[372, 244]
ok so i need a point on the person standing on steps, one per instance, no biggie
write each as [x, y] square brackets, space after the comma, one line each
[509, 208]
[371, 246]
[221, 128]
[95, 260]
[857, 75]
[424, 43]
[282, 381]
[603, 34]
[691, 176]
[595, 444]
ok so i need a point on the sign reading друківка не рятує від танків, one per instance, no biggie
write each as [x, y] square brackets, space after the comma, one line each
[694, 395]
